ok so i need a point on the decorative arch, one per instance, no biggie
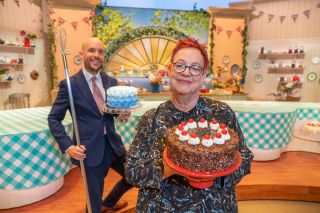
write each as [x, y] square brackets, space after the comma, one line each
[142, 48]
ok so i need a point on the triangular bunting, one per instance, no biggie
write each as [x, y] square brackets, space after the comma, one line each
[307, 13]
[282, 18]
[239, 29]
[74, 25]
[219, 30]
[61, 21]
[270, 17]
[229, 33]
[17, 2]
[86, 20]
[294, 17]
[261, 13]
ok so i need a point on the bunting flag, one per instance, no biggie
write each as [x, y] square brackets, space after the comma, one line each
[239, 29]
[86, 20]
[229, 33]
[61, 21]
[2, 2]
[74, 25]
[307, 13]
[93, 13]
[17, 2]
[50, 9]
[294, 17]
[282, 18]
[219, 30]
[270, 17]
[261, 13]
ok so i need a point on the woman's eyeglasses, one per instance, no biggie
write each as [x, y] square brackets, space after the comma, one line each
[193, 69]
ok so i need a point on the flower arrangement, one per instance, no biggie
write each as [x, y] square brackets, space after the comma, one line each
[288, 87]
[218, 84]
[31, 36]
[155, 79]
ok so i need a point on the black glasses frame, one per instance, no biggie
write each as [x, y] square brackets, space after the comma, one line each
[185, 67]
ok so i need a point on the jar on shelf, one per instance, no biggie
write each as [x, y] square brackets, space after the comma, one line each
[290, 49]
[296, 49]
[301, 49]
[293, 64]
[20, 59]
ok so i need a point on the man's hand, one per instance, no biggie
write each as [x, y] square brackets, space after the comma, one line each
[77, 152]
[123, 116]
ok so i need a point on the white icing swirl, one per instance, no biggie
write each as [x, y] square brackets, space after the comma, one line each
[178, 132]
[218, 140]
[193, 141]
[203, 124]
[214, 126]
[183, 137]
[226, 136]
[192, 125]
[207, 142]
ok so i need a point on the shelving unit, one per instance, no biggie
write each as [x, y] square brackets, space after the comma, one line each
[16, 49]
[275, 56]
[286, 70]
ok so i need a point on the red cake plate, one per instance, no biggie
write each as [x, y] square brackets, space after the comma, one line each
[206, 175]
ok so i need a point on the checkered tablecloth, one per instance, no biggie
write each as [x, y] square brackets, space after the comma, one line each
[29, 156]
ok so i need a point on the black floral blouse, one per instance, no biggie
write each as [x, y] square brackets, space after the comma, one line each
[144, 163]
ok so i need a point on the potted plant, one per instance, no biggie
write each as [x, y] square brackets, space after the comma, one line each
[3, 72]
[32, 37]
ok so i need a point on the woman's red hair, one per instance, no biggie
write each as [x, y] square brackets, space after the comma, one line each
[192, 43]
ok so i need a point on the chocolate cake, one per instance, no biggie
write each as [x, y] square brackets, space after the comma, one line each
[202, 157]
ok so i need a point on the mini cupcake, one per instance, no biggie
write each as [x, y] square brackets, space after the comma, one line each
[185, 126]
[221, 127]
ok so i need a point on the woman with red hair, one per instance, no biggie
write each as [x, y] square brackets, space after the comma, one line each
[162, 189]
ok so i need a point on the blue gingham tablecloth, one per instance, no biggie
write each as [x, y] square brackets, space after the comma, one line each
[29, 155]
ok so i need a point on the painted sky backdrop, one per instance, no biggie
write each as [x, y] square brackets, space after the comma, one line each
[170, 4]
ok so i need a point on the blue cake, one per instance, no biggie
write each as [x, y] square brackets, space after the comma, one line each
[122, 97]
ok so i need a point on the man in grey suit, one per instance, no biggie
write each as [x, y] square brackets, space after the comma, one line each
[101, 147]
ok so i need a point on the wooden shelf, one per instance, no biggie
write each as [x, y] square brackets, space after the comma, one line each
[11, 64]
[286, 70]
[275, 56]
[16, 49]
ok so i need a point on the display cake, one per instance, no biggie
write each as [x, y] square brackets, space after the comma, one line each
[202, 146]
[122, 97]
[313, 126]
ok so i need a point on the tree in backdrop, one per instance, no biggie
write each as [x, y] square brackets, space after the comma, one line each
[108, 24]
[193, 22]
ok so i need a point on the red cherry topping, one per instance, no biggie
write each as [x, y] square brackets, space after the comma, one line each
[206, 136]
[224, 131]
[190, 120]
[193, 135]
[218, 135]
[202, 120]
[184, 133]
[183, 123]
[214, 121]
[223, 126]
[180, 127]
